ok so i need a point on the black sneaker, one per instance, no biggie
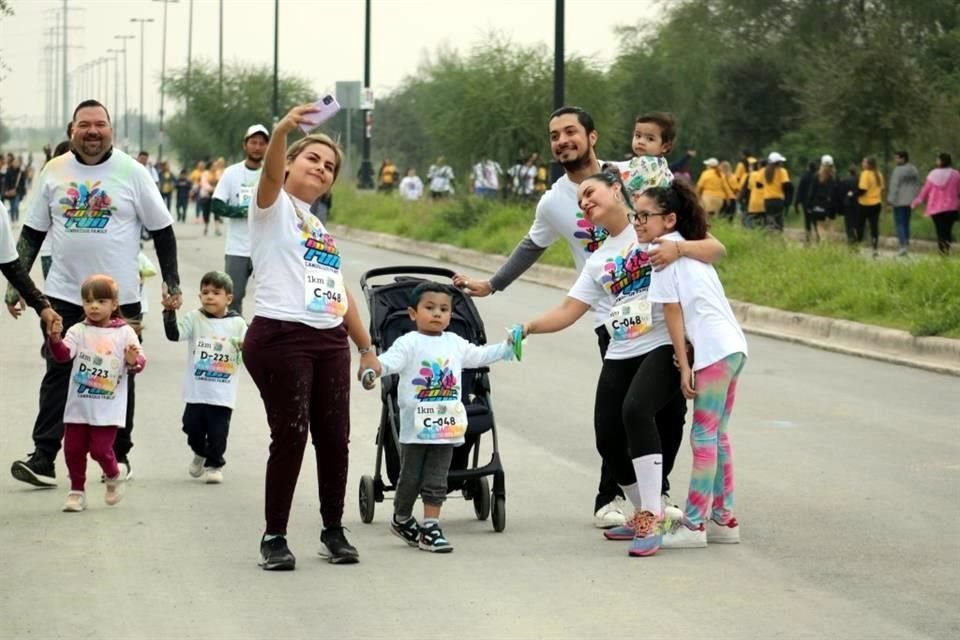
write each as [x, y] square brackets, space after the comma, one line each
[432, 539]
[35, 469]
[408, 531]
[275, 555]
[339, 551]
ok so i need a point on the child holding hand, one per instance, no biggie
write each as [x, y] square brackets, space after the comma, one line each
[104, 350]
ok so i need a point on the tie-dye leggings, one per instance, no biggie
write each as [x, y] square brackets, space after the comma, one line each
[711, 477]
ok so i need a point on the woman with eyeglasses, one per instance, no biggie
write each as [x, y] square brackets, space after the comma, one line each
[640, 410]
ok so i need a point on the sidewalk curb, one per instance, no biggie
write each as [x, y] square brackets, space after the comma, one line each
[938, 355]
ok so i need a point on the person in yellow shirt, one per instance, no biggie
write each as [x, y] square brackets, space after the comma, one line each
[729, 210]
[712, 187]
[195, 191]
[752, 193]
[870, 201]
[777, 190]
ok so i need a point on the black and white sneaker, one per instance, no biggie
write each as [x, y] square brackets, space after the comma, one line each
[432, 539]
[339, 551]
[35, 469]
[275, 555]
[408, 531]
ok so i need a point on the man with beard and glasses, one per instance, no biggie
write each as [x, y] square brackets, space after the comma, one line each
[231, 200]
[93, 202]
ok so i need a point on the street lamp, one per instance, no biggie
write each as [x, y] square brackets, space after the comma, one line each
[116, 78]
[126, 107]
[163, 73]
[366, 167]
[558, 76]
[142, 22]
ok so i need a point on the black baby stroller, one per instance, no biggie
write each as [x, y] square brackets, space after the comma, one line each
[389, 320]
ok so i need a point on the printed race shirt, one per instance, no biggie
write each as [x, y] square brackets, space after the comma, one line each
[619, 274]
[213, 357]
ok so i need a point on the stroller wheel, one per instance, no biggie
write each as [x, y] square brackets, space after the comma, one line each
[367, 499]
[481, 499]
[499, 513]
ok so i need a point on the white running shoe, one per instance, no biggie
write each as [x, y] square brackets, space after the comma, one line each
[196, 467]
[680, 536]
[214, 475]
[670, 511]
[610, 515]
[76, 502]
[115, 488]
[728, 533]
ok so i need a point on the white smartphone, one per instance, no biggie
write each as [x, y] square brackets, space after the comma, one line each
[328, 107]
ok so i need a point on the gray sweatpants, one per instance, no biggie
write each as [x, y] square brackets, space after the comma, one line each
[423, 470]
[239, 268]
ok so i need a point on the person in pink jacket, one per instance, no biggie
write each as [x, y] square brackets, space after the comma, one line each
[941, 192]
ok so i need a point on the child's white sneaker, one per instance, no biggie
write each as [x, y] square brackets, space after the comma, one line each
[680, 535]
[214, 475]
[196, 467]
[727, 533]
[114, 489]
[76, 502]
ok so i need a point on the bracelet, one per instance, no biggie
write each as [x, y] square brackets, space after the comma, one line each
[679, 250]
[364, 350]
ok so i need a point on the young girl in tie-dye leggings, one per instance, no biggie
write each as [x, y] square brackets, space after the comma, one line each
[696, 308]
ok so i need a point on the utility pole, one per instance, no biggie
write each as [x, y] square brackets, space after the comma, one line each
[142, 21]
[116, 79]
[366, 168]
[558, 76]
[66, 76]
[126, 106]
[276, 61]
[189, 59]
[220, 67]
[163, 73]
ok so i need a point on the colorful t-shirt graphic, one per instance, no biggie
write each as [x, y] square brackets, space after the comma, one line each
[87, 208]
[590, 235]
[324, 288]
[98, 369]
[440, 414]
[643, 172]
[216, 358]
[627, 277]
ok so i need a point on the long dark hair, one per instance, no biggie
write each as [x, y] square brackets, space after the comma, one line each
[679, 198]
[610, 176]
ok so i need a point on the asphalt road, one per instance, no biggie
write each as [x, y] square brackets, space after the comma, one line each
[848, 488]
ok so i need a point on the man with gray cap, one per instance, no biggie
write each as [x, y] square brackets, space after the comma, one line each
[231, 199]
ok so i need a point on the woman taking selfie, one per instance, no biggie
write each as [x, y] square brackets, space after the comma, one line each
[296, 349]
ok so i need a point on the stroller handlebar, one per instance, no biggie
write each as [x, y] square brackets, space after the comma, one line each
[401, 270]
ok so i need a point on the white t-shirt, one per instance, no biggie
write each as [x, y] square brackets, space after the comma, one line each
[430, 369]
[411, 187]
[707, 317]
[213, 357]
[297, 264]
[486, 175]
[8, 248]
[618, 275]
[559, 218]
[440, 178]
[236, 188]
[97, 394]
[94, 214]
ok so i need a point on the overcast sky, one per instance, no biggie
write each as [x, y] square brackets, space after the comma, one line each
[320, 40]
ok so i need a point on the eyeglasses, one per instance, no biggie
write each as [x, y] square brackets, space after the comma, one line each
[642, 216]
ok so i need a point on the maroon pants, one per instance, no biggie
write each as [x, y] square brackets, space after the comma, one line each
[303, 375]
[81, 439]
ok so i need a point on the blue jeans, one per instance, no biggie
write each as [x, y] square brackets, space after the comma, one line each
[901, 218]
[14, 208]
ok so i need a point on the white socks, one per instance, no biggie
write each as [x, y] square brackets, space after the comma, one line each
[632, 491]
[649, 470]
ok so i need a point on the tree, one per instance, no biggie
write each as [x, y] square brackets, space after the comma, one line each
[217, 121]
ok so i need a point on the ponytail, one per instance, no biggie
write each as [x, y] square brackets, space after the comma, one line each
[680, 199]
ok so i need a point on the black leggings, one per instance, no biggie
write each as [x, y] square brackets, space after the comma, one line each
[639, 411]
[869, 215]
[943, 223]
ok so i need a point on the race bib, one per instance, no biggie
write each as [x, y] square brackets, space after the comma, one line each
[324, 292]
[244, 196]
[445, 420]
[630, 319]
[214, 359]
[97, 375]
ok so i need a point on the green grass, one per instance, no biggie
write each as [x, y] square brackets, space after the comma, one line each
[921, 295]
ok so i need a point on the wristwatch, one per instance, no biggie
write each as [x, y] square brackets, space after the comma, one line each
[364, 350]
